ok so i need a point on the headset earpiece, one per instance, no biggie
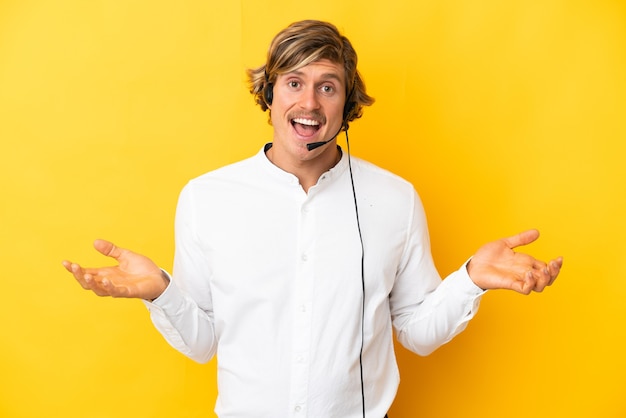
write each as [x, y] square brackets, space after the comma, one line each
[347, 111]
[349, 106]
[268, 93]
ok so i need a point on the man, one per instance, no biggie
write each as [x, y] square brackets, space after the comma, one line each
[294, 265]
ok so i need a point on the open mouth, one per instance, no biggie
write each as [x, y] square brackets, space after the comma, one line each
[305, 127]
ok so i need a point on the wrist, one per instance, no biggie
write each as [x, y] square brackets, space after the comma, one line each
[165, 282]
[469, 267]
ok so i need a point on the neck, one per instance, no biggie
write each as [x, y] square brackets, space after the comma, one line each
[307, 170]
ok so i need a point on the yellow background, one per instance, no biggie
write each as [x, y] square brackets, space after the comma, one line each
[505, 115]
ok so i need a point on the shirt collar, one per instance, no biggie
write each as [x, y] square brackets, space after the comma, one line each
[287, 177]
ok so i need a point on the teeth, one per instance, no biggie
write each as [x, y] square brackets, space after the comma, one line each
[306, 122]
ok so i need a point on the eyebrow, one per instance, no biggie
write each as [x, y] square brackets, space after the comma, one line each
[325, 76]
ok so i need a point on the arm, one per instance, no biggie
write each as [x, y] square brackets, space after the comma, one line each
[442, 313]
[426, 311]
[183, 314]
[180, 310]
[180, 320]
[445, 312]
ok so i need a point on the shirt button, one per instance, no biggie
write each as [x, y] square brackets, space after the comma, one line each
[298, 408]
[304, 257]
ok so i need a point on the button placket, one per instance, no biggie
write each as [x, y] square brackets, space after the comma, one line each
[302, 321]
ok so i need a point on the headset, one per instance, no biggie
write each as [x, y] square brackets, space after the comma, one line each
[268, 97]
[348, 108]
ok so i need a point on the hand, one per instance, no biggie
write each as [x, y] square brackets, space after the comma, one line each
[136, 276]
[497, 266]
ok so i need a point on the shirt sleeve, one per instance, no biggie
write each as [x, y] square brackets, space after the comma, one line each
[426, 311]
[183, 314]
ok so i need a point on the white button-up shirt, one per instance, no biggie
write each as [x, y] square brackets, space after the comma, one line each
[268, 277]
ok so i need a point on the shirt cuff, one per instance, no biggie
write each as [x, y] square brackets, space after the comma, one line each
[168, 300]
[466, 283]
[461, 287]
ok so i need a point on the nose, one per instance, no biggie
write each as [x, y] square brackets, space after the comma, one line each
[309, 99]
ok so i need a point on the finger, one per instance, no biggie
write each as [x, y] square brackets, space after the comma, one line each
[107, 287]
[525, 284]
[548, 274]
[107, 248]
[99, 289]
[554, 267]
[542, 275]
[113, 290]
[79, 275]
[542, 279]
[530, 281]
[87, 278]
[100, 285]
[78, 271]
[539, 266]
[67, 265]
[523, 238]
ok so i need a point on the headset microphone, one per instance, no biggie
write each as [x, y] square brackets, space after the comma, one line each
[314, 145]
[344, 126]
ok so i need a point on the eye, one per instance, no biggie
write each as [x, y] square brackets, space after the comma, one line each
[293, 84]
[328, 89]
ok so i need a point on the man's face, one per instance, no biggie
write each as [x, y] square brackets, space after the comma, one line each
[308, 107]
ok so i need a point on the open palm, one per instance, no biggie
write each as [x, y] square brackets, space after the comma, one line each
[497, 266]
[135, 276]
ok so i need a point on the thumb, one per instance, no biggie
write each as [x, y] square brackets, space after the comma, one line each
[107, 248]
[523, 238]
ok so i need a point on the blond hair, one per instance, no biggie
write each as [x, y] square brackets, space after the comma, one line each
[300, 44]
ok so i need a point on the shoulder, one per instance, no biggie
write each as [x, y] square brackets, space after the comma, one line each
[373, 176]
[239, 169]
[247, 174]
[385, 192]
[229, 183]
